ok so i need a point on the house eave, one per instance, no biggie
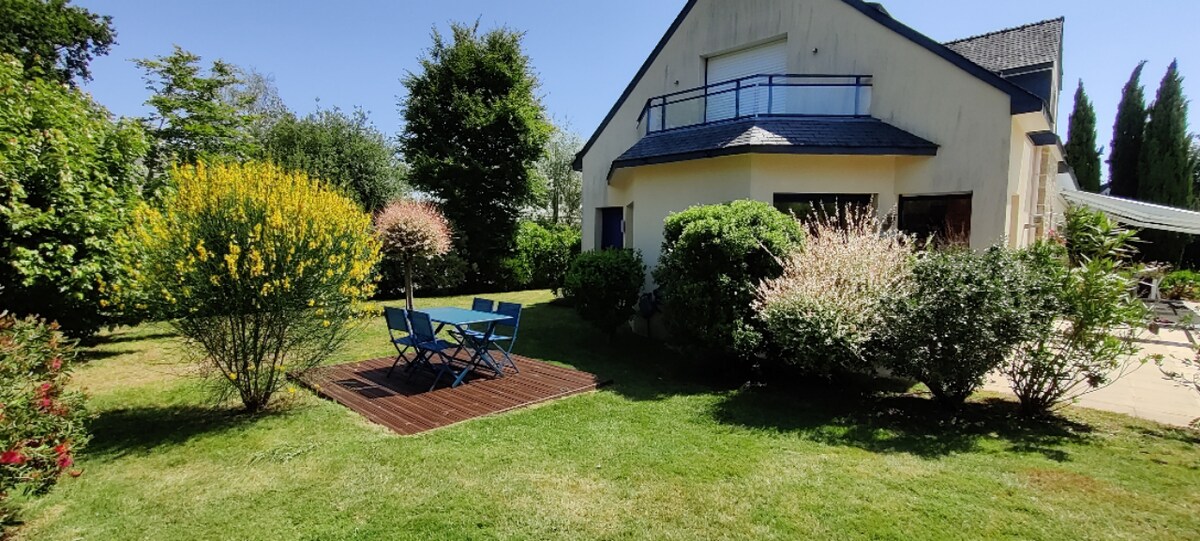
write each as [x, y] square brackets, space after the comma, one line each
[773, 149]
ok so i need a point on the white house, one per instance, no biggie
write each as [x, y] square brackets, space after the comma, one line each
[807, 103]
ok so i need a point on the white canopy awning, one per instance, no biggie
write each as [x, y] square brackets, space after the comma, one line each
[1130, 212]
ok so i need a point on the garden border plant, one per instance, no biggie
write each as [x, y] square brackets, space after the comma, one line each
[262, 268]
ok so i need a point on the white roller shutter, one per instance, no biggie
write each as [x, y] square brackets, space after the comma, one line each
[768, 59]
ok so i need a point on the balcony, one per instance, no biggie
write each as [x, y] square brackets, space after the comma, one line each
[757, 96]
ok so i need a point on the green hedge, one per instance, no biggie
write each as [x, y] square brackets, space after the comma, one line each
[605, 286]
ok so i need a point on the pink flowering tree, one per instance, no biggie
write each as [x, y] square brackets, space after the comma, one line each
[41, 423]
[411, 230]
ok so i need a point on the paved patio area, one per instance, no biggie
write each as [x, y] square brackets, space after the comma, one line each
[1146, 392]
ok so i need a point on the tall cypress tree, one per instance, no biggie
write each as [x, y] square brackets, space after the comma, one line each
[1130, 127]
[1082, 153]
[1165, 168]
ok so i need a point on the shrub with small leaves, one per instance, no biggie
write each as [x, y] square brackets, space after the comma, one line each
[41, 422]
[826, 306]
[1182, 285]
[544, 254]
[605, 285]
[412, 231]
[958, 321]
[261, 267]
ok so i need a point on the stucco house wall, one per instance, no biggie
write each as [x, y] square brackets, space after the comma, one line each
[914, 89]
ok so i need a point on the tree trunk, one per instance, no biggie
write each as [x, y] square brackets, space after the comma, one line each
[408, 287]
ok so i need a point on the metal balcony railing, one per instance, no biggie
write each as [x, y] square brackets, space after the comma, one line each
[759, 96]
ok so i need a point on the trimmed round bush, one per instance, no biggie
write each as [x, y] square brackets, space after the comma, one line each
[605, 286]
[262, 268]
[713, 258]
[958, 322]
[41, 422]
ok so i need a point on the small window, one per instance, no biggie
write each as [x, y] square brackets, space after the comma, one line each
[810, 206]
[945, 218]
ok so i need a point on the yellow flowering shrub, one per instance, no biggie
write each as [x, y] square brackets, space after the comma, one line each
[262, 267]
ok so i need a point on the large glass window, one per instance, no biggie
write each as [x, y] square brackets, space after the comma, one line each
[809, 206]
[945, 218]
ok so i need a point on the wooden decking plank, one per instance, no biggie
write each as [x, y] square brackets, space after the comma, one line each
[409, 408]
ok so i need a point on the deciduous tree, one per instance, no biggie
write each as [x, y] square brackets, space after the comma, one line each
[474, 131]
[54, 38]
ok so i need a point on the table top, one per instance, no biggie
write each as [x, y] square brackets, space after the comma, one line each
[461, 316]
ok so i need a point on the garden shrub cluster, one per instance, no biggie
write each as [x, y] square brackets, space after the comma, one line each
[605, 286]
[68, 177]
[713, 258]
[41, 422]
[1181, 285]
[261, 267]
[963, 315]
[820, 313]
[1087, 320]
[543, 255]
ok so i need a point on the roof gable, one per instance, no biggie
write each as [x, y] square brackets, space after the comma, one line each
[1023, 101]
[1014, 49]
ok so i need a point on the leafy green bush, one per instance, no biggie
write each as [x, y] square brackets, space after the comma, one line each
[260, 267]
[1183, 285]
[41, 423]
[1091, 234]
[826, 306]
[1083, 341]
[605, 285]
[961, 318]
[69, 177]
[544, 254]
[713, 258]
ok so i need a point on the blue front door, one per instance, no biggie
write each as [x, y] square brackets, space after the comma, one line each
[612, 228]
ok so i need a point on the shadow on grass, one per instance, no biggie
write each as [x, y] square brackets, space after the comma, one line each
[639, 368]
[915, 425]
[142, 429]
[125, 335]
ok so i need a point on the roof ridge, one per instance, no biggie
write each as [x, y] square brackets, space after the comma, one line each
[1060, 19]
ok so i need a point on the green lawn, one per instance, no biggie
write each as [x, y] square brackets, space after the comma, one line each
[654, 456]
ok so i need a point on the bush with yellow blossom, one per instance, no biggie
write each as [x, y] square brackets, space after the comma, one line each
[260, 267]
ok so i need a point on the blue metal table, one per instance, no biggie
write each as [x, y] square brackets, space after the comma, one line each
[461, 319]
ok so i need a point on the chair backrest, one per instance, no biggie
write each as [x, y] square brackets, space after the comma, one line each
[397, 319]
[513, 311]
[422, 326]
[483, 305]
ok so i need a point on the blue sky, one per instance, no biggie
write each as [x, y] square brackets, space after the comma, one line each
[354, 52]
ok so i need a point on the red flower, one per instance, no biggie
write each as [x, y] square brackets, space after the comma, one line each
[56, 364]
[65, 461]
[62, 448]
[46, 404]
[12, 457]
[45, 389]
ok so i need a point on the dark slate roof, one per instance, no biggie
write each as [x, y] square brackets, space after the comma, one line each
[1013, 49]
[811, 135]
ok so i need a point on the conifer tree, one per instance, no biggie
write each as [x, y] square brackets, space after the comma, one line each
[1165, 167]
[1128, 131]
[1082, 153]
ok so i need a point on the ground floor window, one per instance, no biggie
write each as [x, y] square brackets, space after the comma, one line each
[945, 218]
[808, 206]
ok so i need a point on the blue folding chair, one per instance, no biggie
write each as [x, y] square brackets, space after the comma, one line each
[504, 335]
[429, 346]
[397, 322]
[483, 305]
